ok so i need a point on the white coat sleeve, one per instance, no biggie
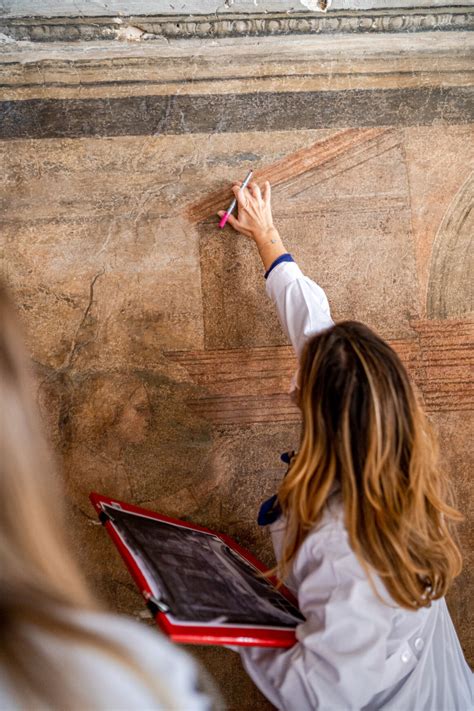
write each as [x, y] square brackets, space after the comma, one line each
[338, 660]
[301, 305]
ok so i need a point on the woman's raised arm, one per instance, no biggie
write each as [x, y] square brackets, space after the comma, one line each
[301, 304]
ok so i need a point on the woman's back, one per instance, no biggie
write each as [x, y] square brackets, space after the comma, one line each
[358, 649]
[162, 677]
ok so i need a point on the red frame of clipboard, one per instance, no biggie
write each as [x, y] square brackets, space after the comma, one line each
[197, 634]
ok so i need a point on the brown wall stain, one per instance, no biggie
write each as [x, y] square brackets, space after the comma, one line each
[324, 153]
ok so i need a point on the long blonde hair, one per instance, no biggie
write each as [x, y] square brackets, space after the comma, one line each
[364, 431]
[39, 579]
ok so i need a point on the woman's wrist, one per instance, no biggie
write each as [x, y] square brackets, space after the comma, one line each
[266, 236]
[270, 246]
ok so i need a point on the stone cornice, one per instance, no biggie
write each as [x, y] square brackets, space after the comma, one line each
[149, 28]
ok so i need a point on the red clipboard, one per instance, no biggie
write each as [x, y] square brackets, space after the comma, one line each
[279, 614]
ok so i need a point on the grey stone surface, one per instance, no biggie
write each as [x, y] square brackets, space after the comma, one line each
[52, 8]
[273, 111]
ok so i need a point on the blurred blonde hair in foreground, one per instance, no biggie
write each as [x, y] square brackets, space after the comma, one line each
[40, 583]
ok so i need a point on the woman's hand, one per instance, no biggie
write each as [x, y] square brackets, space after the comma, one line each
[254, 216]
[254, 219]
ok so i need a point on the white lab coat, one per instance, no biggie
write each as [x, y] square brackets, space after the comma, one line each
[354, 651]
[104, 683]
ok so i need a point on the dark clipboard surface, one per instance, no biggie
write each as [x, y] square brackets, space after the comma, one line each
[135, 531]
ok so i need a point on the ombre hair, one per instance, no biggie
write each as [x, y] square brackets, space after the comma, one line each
[365, 433]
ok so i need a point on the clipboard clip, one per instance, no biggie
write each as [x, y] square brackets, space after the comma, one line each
[154, 604]
[104, 515]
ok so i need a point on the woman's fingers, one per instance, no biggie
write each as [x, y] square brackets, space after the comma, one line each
[267, 192]
[255, 190]
[247, 194]
[241, 195]
[233, 222]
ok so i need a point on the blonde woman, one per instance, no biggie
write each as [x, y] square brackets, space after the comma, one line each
[57, 650]
[361, 524]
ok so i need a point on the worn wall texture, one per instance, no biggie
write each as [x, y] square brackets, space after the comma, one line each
[162, 368]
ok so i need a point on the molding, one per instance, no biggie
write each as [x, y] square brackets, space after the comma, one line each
[149, 27]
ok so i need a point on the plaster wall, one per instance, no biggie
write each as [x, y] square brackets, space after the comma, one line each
[162, 370]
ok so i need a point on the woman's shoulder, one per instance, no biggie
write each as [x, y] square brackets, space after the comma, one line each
[142, 641]
[327, 545]
[156, 658]
[123, 665]
[121, 627]
[331, 525]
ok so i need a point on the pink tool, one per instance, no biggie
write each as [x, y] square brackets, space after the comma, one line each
[232, 205]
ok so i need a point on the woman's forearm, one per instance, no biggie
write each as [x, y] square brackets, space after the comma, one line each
[301, 304]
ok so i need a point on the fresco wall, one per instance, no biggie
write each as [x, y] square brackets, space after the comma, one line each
[162, 370]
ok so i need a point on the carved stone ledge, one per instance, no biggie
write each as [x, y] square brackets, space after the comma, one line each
[143, 28]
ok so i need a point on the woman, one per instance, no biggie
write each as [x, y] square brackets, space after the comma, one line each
[57, 649]
[361, 524]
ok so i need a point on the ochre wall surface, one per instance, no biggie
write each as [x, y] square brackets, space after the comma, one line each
[162, 369]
